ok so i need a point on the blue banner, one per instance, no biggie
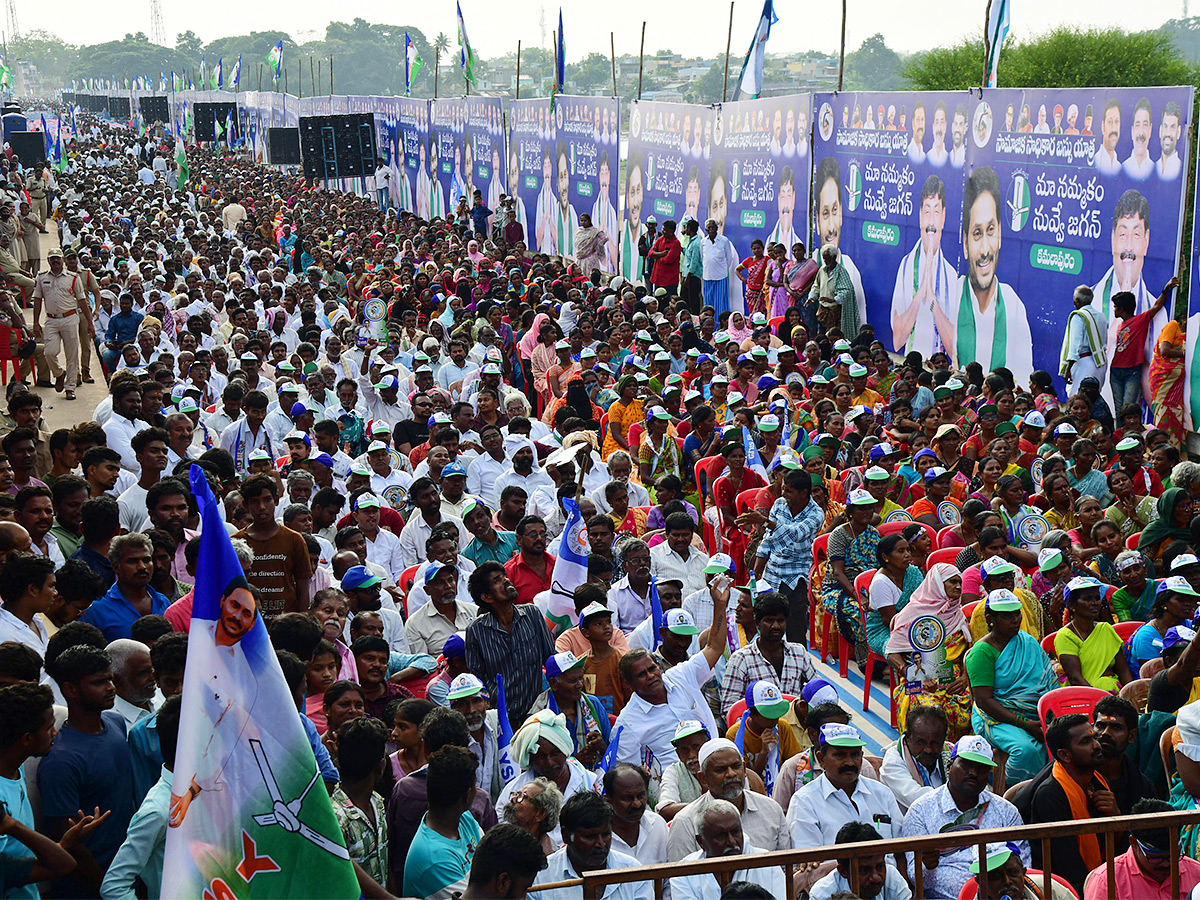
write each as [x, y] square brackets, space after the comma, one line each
[527, 138]
[444, 183]
[483, 150]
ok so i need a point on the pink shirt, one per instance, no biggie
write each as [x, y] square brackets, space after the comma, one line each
[1132, 882]
[179, 613]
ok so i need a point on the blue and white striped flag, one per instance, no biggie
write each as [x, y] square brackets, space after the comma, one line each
[508, 768]
[753, 458]
[997, 31]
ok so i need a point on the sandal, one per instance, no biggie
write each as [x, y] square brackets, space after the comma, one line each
[70, 395]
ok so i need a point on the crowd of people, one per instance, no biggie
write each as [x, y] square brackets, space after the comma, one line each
[401, 419]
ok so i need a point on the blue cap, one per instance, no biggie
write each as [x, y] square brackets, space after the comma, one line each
[298, 409]
[433, 568]
[453, 469]
[358, 577]
[455, 646]
[323, 458]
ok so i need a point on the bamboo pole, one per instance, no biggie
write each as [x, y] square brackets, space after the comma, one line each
[728, 44]
[312, 78]
[612, 55]
[842, 52]
[641, 54]
[518, 70]
[987, 38]
[330, 74]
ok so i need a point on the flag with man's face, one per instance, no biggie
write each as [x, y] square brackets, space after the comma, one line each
[249, 816]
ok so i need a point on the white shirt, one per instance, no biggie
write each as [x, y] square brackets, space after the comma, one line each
[706, 887]
[130, 711]
[637, 496]
[666, 563]
[428, 629]
[559, 868]
[651, 846]
[132, 506]
[119, 432]
[717, 257]
[894, 773]
[819, 809]
[482, 474]
[32, 636]
[1138, 169]
[1168, 167]
[418, 596]
[631, 608]
[700, 605]
[386, 551]
[53, 551]
[528, 483]
[417, 531]
[581, 780]
[894, 886]
[1106, 163]
[1018, 353]
[762, 824]
[651, 726]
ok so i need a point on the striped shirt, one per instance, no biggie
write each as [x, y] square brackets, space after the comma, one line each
[518, 655]
[787, 547]
[748, 664]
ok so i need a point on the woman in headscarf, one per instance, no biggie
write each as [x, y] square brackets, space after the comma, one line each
[690, 338]
[937, 596]
[739, 330]
[1174, 513]
[474, 255]
[525, 349]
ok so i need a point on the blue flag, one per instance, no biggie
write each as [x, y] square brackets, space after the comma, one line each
[610, 755]
[508, 768]
[570, 570]
[753, 458]
[248, 815]
[49, 144]
[656, 613]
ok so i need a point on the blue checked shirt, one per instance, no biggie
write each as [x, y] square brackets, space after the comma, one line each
[787, 547]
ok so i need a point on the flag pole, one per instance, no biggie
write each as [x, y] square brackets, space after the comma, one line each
[842, 54]
[987, 17]
[728, 44]
[260, 76]
[330, 74]
[641, 52]
[518, 70]
[312, 79]
[612, 55]
[437, 61]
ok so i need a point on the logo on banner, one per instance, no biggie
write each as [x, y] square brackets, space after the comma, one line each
[1018, 202]
[651, 171]
[854, 185]
[981, 124]
[825, 117]
[735, 183]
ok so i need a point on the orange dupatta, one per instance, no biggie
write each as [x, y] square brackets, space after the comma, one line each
[1089, 847]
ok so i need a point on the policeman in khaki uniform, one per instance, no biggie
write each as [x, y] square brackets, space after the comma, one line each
[62, 294]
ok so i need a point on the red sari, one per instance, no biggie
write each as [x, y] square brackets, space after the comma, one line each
[756, 278]
[733, 539]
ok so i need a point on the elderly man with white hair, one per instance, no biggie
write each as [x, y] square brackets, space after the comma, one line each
[724, 773]
[133, 675]
[720, 834]
[620, 467]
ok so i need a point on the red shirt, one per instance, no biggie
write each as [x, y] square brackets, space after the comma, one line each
[525, 580]
[1148, 484]
[388, 518]
[666, 268]
[1131, 342]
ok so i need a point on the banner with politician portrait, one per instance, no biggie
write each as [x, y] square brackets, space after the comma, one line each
[410, 159]
[758, 178]
[667, 172]
[887, 195]
[483, 151]
[528, 134]
[586, 168]
[444, 183]
[1068, 188]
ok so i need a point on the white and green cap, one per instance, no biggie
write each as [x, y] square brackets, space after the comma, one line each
[974, 748]
[995, 858]
[768, 422]
[1049, 559]
[680, 621]
[875, 473]
[1128, 443]
[859, 497]
[719, 563]
[834, 734]
[464, 685]
[1003, 601]
[765, 698]
[689, 726]
[259, 455]
[997, 565]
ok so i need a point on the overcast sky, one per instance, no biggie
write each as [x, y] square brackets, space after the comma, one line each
[692, 27]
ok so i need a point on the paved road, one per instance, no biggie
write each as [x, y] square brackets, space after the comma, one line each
[57, 412]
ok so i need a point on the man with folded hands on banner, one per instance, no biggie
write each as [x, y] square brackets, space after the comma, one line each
[925, 280]
[989, 321]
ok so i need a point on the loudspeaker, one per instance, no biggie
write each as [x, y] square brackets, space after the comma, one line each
[118, 108]
[154, 109]
[283, 146]
[30, 146]
[338, 146]
[204, 116]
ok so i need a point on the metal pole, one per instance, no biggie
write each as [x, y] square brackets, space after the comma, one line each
[842, 54]
[641, 52]
[554, 61]
[728, 43]
[319, 78]
[518, 70]
[260, 76]
[437, 62]
[330, 74]
[312, 79]
[612, 55]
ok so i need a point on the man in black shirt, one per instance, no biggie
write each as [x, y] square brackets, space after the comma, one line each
[1115, 722]
[415, 431]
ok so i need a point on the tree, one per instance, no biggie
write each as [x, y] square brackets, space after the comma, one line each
[706, 88]
[51, 55]
[873, 67]
[441, 44]
[591, 72]
[188, 46]
[1065, 57]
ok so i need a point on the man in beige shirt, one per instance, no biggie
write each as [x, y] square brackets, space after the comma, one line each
[91, 291]
[62, 294]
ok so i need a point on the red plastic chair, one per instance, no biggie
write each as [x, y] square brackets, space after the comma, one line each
[1125, 630]
[1048, 645]
[862, 586]
[683, 428]
[970, 890]
[1131, 542]
[707, 470]
[948, 555]
[969, 609]
[941, 535]
[636, 430]
[774, 322]
[603, 429]
[745, 500]
[886, 528]
[820, 553]
[6, 356]
[1066, 700]
[405, 585]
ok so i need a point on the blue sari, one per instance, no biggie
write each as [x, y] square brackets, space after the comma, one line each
[1023, 674]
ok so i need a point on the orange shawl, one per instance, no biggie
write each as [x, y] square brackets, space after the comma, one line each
[1089, 847]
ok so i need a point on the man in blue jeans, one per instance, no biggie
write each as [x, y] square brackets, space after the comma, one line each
[479, 215]
[383, 179]
[1129, 356]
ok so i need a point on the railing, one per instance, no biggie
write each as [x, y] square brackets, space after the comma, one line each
[593, 883]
